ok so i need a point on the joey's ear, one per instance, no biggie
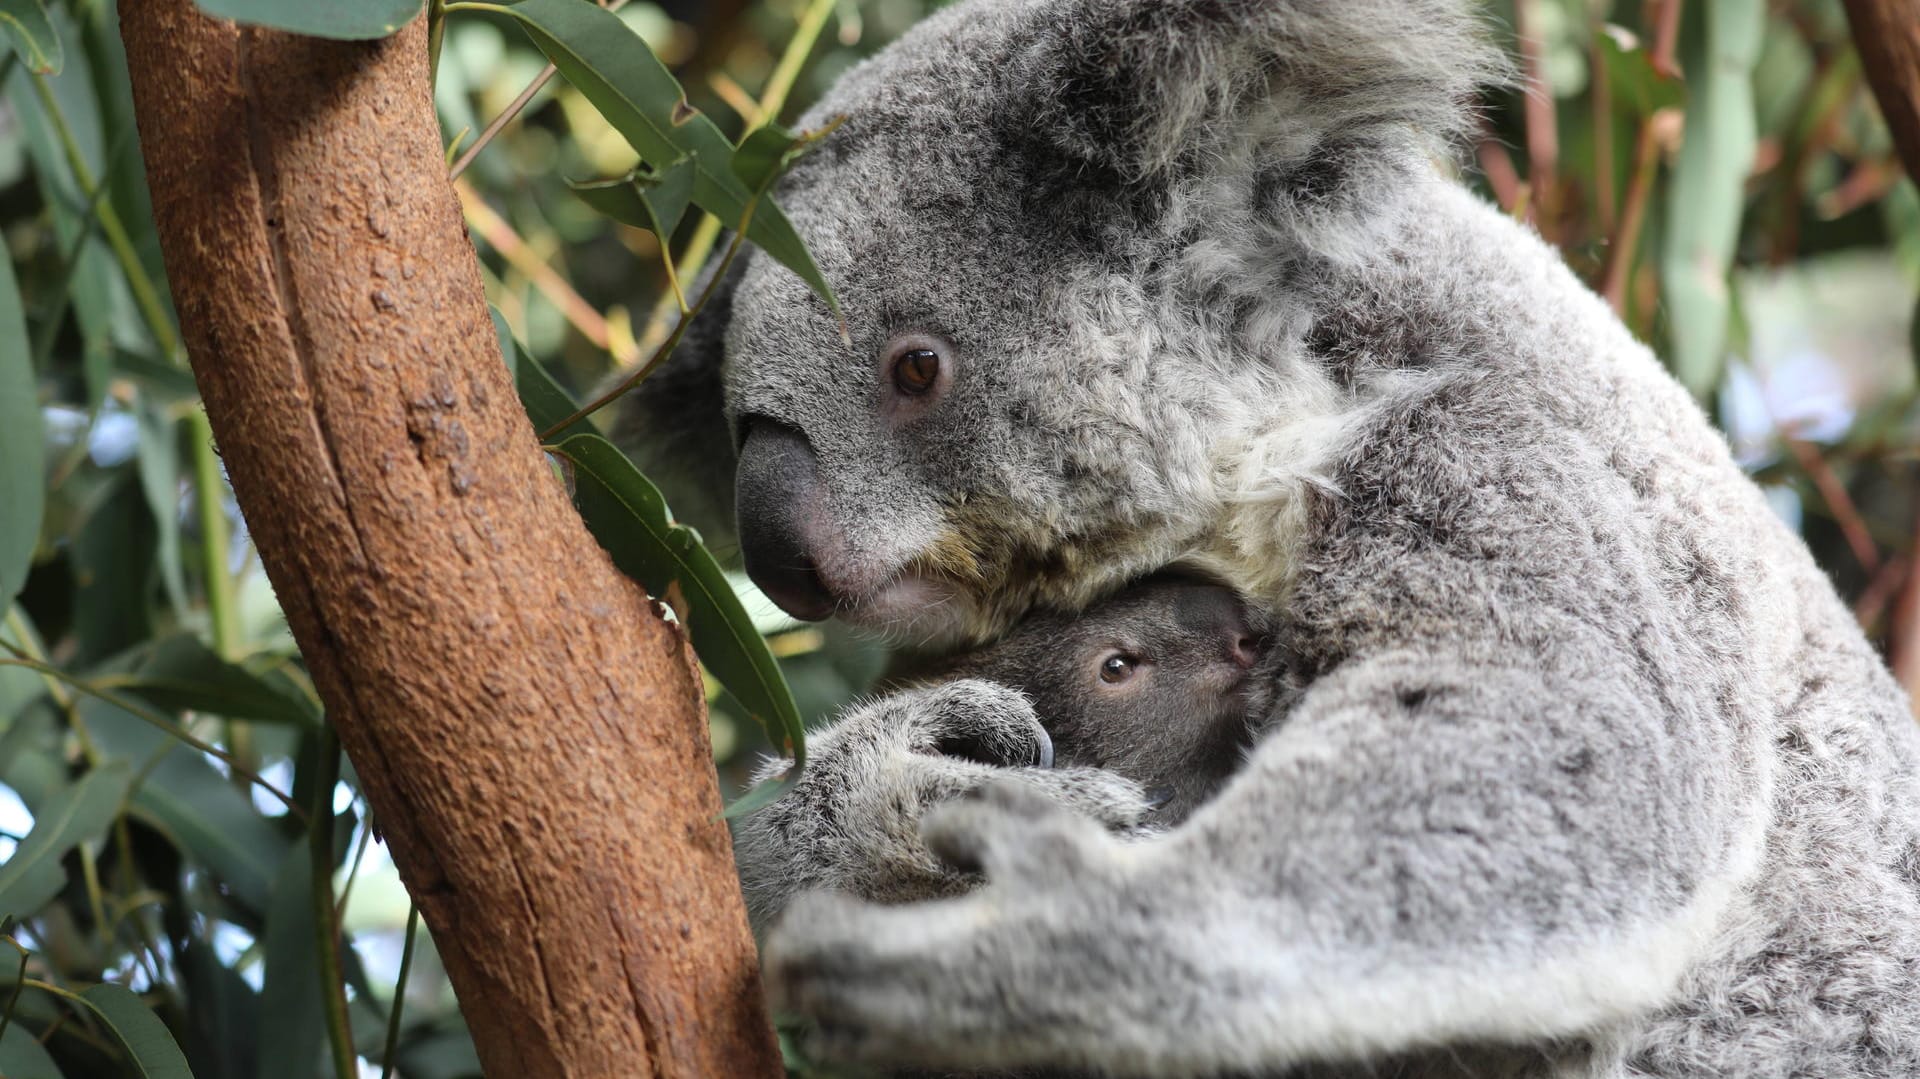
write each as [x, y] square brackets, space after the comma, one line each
[1145, 87]
[674, 425]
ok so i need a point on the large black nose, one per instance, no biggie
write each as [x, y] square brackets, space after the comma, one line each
[777, 478]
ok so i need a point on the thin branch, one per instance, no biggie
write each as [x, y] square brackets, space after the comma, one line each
[1542, 128]
[1655, 131]
[333, 990]
[154, 719]
[399, 994]
[1845, 514]
[514, 107]
[493, 228]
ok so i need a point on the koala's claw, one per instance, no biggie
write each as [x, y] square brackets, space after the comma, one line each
[1009, 829]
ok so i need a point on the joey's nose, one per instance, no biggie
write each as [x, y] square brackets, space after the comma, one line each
[777, 483]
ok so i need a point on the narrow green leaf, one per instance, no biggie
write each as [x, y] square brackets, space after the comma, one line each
[34, 875]
[159, 466]
[1631, 74]
[23, 481]
[1708, 192]
[21, 1056]
[35, 41]
[348, 20]
[182, 673]
[144, 1036]
[292, 1022]
[646, 198]
[546, 403]
[627, 515]
[192, 804]
[613, 66]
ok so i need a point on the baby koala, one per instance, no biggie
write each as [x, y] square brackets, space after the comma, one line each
[1165, 683]
[1131, 714]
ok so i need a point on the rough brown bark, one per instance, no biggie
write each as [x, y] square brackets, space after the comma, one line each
[530, 733]
[1887, 35]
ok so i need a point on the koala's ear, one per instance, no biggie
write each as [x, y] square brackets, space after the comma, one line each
[674, 424]
[1141, 87]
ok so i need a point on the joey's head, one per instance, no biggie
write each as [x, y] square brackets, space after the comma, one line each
[1067, 236]
[1166, 683]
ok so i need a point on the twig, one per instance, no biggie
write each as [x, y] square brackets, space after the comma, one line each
[512, 110]
[1496, 164]
[1654, 131]
[1664, 17]
[153, 719]
[497, 232]
[399, 993]
[1839, 502]
[1542, 130]
[333, 990]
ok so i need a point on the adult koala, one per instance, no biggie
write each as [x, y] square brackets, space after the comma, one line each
[1593, 774]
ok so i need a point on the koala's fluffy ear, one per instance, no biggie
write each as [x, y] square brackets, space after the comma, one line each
[1143, 86]
[674, 424]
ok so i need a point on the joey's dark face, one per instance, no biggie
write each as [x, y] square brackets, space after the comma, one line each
[1163, 683]
[976, 443]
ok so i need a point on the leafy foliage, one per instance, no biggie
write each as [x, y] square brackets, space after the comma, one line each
[173, 831]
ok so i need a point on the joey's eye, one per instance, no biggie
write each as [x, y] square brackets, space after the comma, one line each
[916, 371]
[1117, 668]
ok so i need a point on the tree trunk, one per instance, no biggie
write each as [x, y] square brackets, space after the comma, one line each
[1887, 35]
[530, 733]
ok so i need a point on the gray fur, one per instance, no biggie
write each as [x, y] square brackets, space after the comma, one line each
[1593, 775]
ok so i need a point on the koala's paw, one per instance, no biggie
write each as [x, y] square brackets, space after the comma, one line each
[966, 982]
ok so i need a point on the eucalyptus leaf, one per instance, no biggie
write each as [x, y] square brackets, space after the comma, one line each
[613, 66]
[180, 672]
[159, 466]
[139, 1031]
[30, 29]
[627, 515]
[646, 198]
[1708, 193]
[192, 804]
[1631, 74]
[292, 1016]
[34, 875]
[23, 482]
[349, 20]
[21, 1056]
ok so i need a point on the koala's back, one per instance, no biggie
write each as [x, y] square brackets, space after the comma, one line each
[1593, 467]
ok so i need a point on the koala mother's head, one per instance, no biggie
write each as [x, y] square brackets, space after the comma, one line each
[1075, 242]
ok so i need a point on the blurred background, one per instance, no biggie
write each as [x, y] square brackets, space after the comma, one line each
[1716, 168]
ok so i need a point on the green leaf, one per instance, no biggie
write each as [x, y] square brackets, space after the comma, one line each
[159, 466]
[113, 558]
[1631, 74]
[21, 1056]
[293, 1022]
[613, 66]
[199, 810]
[546, 403]
[1708, 192]
[182, 673]
[144, 1036]
[23, 480]
[627, 515]
[349, 20]
[34, 875]
[646, 198]
[29, 27]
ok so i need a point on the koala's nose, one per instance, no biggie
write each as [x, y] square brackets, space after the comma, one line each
[777, 478]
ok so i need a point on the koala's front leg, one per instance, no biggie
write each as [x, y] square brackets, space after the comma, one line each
[1431, 851]
[852, 823]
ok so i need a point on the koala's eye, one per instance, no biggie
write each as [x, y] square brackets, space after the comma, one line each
[916, 371]
[1118, 668]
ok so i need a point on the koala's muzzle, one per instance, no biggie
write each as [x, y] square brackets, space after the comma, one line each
[777, 483]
